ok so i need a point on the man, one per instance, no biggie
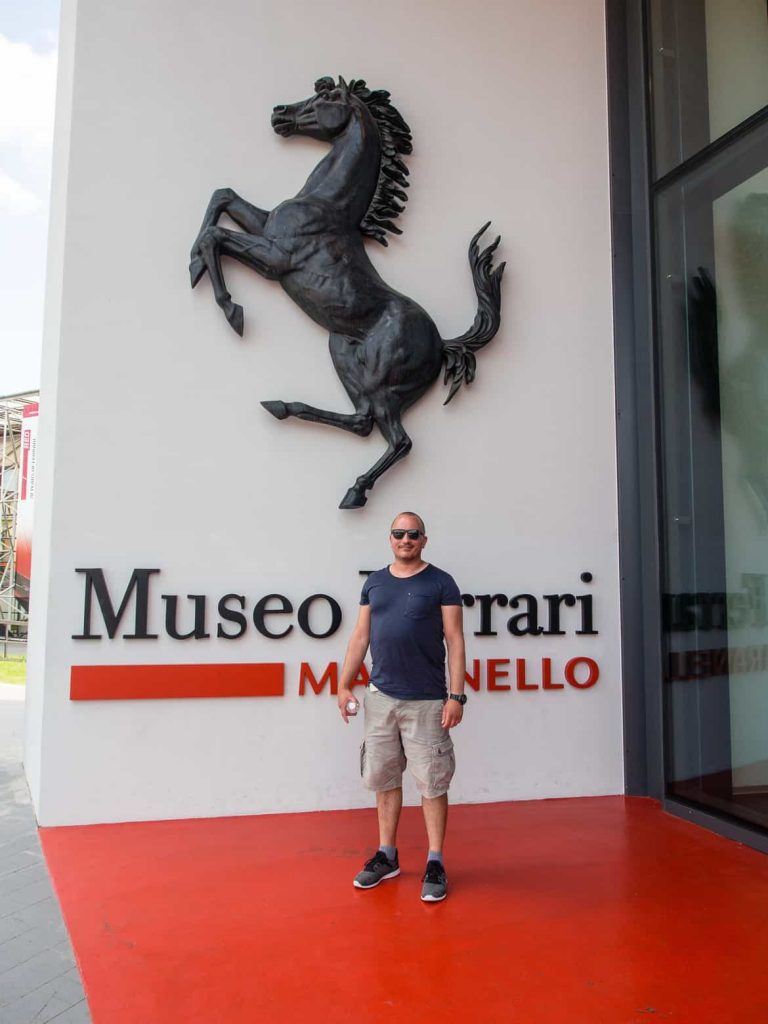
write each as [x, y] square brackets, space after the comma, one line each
[407, 609]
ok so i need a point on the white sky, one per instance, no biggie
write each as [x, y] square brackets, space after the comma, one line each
[28, 40]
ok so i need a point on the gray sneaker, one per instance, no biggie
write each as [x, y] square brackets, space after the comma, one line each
[435, 887]
[376, 870]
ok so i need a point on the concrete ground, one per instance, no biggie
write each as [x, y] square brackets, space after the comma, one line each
[39, 981]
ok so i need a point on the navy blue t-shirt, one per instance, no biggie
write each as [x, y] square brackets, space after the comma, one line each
[407, 631]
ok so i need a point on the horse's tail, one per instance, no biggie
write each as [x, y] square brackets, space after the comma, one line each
[459, 353]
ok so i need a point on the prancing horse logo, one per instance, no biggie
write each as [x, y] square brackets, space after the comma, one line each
[384, 346]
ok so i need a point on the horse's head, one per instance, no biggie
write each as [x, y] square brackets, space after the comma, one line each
[327, 113]
[323, 116]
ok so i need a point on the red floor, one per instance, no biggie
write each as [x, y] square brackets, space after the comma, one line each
[601, 910]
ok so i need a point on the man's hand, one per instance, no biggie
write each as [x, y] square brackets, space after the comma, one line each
[457, 663]
[353, 659]
[343, 697]
[453, 713]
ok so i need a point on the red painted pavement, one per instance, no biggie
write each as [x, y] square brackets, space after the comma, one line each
[592, 910]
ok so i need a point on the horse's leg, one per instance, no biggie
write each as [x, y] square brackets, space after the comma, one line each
[256, 252]
[244, 214]
[209, 255]
[347, 366]
[399, 446]
[360, 422]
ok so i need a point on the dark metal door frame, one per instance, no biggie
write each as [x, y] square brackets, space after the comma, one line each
[637, 414]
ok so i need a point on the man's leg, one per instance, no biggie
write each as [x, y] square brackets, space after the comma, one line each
[389, 803]
[435, 883]
[429, 749]
[382, 762]
[435, 818]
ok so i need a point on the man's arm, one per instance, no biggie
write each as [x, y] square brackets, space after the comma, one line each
[357, 648]
[453, 628]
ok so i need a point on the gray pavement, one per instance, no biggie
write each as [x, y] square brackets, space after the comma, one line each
[39, 981]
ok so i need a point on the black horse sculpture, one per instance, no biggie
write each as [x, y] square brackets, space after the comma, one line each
[385, 348]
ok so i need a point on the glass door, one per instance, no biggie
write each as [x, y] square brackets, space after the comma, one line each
[709, 71]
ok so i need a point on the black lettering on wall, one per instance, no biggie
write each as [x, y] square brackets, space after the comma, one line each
[303, 615]
[554, 601]
[96, 584]
[530, 618]
[585, 601]
[262, 610]
[487, 602]
[587, 626]
[171, 612]
[230, 615]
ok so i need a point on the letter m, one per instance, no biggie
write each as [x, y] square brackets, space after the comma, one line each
[331, 675]
[96, 584]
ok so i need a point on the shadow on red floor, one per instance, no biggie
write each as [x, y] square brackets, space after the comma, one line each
[567, 911]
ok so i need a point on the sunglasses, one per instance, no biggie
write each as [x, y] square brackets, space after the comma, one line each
[412, 534]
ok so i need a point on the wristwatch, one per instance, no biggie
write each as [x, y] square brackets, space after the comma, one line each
[460, 697]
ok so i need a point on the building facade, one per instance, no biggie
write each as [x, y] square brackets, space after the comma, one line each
[597, 491]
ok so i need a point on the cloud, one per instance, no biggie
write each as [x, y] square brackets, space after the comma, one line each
[28, 88]
[15, 198]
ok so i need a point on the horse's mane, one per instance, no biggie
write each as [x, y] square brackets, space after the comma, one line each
[395, 139]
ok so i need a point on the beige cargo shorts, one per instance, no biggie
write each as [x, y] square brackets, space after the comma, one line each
[405, 732]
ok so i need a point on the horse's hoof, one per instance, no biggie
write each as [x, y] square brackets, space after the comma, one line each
[353, 499]
[278, 409]
[234, 314]
[196, 270]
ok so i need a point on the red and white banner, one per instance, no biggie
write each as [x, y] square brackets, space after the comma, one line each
[26, 504]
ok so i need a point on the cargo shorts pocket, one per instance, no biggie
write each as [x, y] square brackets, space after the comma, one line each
[442, 766]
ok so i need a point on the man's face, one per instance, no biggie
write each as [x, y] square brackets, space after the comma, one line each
[407, 550]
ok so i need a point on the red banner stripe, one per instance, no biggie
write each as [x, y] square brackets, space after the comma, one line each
[159, 682]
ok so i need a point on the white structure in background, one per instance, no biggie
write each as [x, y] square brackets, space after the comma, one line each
[17, 453]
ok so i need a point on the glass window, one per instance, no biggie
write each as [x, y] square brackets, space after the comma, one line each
[712, 312]
[709, 72]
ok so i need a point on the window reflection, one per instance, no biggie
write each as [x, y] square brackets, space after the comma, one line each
[712, 232]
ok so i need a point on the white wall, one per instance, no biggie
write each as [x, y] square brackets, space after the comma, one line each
[163, 456]
[43, 516]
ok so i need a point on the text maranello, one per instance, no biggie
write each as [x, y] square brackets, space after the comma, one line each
[317, 616]
[493, 674]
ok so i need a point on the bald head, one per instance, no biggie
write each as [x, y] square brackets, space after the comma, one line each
[411, 515]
